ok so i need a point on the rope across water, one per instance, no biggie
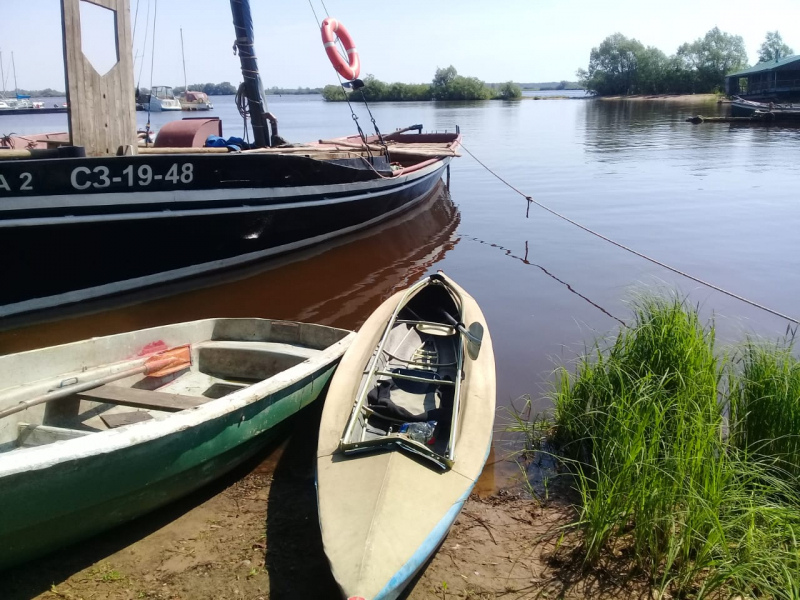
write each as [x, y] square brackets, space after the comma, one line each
[631, 250]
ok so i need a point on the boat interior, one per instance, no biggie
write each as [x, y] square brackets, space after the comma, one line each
[413, 378]
[210, 365]
[395, 154]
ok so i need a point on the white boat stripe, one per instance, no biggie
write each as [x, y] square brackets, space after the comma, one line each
[180, 195]
[352, 51]
[166, 214]
[329, 44]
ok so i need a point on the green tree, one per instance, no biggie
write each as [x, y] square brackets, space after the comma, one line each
[715, 55]
[333, 93]
[444, 77]
[374, 89]
[651, 70]
[612, 66]
[509, 91]
[449, 85]
[773, 48]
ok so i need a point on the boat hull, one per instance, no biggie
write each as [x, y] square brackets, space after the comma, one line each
[65, 494]
[383, 514]
[62, 249]
[775, 112]
[34, 111]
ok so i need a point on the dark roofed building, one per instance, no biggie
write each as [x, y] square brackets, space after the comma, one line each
[775, 78]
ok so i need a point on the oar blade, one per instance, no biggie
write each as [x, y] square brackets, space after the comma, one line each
[474, 340]
[169, 362]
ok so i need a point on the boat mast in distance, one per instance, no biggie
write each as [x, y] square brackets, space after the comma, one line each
[102, 107]
[183, 57]
[243, 24]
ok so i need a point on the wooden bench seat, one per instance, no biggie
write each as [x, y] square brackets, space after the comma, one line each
[166, 402]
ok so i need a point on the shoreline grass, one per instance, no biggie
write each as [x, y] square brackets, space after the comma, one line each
[704, 505]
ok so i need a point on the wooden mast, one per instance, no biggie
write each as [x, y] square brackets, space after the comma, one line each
[254, 90]
[102, 107]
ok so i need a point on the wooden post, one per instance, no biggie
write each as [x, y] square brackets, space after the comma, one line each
[102, 107]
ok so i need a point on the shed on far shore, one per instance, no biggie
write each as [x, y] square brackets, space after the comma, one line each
[779, 78]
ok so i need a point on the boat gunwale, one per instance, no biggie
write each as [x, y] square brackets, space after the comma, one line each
[111, 440]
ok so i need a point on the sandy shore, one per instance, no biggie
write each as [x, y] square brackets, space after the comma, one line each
[255, 535]
[685, 98]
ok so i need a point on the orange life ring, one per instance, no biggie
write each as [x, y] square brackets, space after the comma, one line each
[350, 68]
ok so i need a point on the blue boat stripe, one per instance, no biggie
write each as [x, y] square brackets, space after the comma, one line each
[398, 582]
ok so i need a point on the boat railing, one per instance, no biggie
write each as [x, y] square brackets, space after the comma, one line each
[414, 378]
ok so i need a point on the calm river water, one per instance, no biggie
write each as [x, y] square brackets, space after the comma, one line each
[718, 201]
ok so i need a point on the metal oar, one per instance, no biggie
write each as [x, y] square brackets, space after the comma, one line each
[158, 365]
[474, 335]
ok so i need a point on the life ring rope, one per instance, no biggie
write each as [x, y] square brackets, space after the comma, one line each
[349, 68]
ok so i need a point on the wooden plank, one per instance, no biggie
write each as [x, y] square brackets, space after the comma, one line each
[115, 420]
[102, 108]
[114, 394]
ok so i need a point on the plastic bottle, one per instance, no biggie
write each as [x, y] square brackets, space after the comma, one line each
[420, 432]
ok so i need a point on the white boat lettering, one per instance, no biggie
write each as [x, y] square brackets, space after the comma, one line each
[100, 177]
[26, 182]
[4, 184]
[74, 178]
[102, 173]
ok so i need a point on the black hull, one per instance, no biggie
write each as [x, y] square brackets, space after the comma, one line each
[62, 249]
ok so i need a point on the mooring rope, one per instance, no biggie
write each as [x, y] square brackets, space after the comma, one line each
[628, 249]
[524, 260]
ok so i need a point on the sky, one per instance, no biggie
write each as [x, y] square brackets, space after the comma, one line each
[524, 41]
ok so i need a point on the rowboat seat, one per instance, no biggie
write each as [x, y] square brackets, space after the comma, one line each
[30, 434]
[249, 360]
[125, 396]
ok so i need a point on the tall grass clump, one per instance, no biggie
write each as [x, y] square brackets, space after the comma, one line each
[642, 423]
[765, 404]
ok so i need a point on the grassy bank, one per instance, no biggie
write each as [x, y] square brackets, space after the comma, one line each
[686, 458]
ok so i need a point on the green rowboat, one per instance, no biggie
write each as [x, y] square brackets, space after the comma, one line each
[98, 432]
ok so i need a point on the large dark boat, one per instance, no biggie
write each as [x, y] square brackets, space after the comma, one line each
[99, 215]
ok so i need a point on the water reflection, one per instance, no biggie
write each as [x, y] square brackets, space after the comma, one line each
[346, 280]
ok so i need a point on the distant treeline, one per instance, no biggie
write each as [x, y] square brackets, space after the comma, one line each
[551, 85]
[300, 91]
[447, 84]
[622, 66]
[212, 89]
[45, 93]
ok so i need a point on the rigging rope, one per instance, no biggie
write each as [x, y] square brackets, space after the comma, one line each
[243, 106]
[152, 68]
[144, 46]
[631, 250]
[135, 21]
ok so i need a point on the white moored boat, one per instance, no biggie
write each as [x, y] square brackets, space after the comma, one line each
[162, 99]
[388, 495]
